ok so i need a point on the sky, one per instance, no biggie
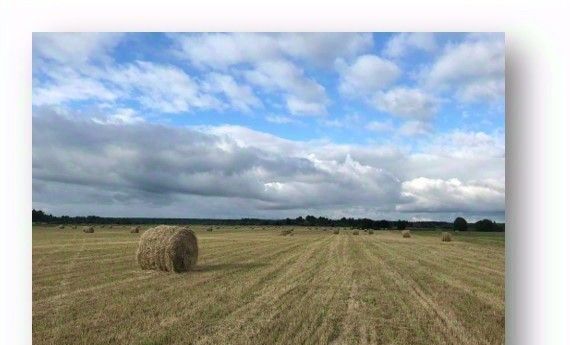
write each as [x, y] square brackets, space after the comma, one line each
[269, 125]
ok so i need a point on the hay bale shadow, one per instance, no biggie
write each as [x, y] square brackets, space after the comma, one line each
[226, 267]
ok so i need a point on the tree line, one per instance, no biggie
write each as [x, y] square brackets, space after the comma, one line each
[460, 224]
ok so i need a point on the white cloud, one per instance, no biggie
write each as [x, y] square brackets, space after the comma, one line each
[400, 44]
[303, 96]
[149, 164]
[475, 68]
[406, 102]
[280, 119]
[438, 195]
[74, 48]
[377, 126]
[122, 116]
[240, 97]
[368, 74]
[164, 88]
[67, 85]
[414, 128]
[222, 50]
[324, 48]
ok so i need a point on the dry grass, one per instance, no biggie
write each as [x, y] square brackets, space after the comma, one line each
[168, 248]
[252, 287]
[406, 233]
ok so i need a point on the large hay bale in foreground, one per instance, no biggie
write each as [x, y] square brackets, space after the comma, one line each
[406, 233]
[88, 229]
[446, 237]
[168, 248]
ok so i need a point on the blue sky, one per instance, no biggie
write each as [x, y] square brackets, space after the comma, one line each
[394, 125]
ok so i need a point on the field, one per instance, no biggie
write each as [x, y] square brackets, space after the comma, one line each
[253, 286]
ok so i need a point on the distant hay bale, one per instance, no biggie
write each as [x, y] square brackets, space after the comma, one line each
[336, 231]
[406, 233]
[446, 237]
[356, 232]
[135, 229]
[61, 227]
[210, 229]
[88, 229]
[370, 232]
[286, 232]
[168, 248]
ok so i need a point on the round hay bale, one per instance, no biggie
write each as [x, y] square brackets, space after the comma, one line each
[370, 232]
[336, 231]
[61, 227]
[88, 229]
[168, 248]
[356, 232]
[446, 237]
[135, 229]
[210, 229]
[406, 233]
[286, 232]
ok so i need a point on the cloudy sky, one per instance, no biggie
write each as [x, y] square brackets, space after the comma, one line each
[392, 126]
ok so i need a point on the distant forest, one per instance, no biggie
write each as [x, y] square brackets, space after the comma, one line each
[39, 216]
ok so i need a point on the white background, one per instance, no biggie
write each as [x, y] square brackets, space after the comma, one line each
[538, 263]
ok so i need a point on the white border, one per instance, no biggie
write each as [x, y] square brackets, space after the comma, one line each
[537, 124]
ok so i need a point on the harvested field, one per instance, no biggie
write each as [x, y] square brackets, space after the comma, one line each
[256, 287]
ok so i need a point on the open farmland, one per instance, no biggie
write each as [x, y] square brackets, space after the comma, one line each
[254, 286]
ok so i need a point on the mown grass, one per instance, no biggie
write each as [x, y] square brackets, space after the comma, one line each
[257, 287]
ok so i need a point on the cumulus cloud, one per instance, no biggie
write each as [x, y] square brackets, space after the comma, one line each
[453, 195]
[240, 97]
[368, 74]
[74, 48]
[414, 128]
[406, 102]
[400, 44]
[474, 67]
[222, 50]
[380, 126]
[143, 160]
[121, 116]
[280, 119]
[67, 85]
[303, 96]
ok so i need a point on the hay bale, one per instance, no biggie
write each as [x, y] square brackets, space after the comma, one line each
[446, 237]
[370, 232]
[286, 232]
[210, 229]
[135, 229]
[336, 231]
[168, 248]
[356, 232]
[61, 227]
[406, 233]
[88, 229]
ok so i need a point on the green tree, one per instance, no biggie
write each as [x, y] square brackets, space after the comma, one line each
[485, 225]
[460, 224]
